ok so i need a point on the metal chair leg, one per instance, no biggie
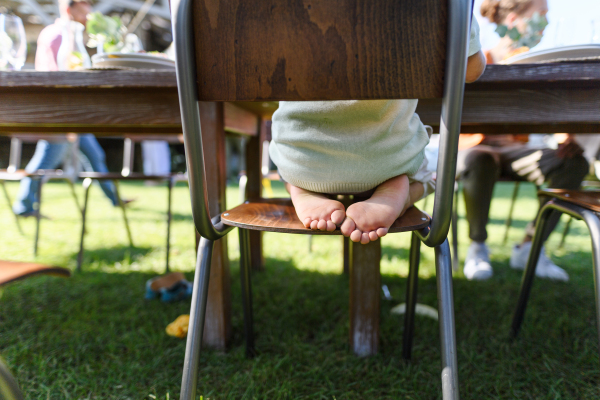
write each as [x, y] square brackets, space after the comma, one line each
[170, 184]
[411, 296]
[443, 266]
[38, 218]
[565, 233]
[9, 201]
[74, 195]
[593, 224]
[510, 211]
[189, 380]
[455, 228]
[245, 267]
[87, 183]
[310, 243]
[529, 273]
[125, 221]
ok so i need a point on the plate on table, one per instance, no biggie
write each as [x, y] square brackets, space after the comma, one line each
[132, 60]
[580, 52]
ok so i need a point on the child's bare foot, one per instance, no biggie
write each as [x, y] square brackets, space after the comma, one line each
[316, 211]
[368, 220]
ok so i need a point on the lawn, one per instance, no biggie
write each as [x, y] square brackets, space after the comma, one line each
[93, 336]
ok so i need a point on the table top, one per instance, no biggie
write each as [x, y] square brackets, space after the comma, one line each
[523, 98]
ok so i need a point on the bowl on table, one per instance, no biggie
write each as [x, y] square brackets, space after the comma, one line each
[581, 52]
[132, 60]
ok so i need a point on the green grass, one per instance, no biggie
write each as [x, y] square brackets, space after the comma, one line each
[93, 336]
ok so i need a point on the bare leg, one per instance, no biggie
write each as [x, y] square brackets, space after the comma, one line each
[371, 219]
[316, 211]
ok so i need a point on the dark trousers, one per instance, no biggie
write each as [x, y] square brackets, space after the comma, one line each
[481, 166]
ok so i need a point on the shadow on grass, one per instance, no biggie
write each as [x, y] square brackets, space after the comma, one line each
[111, 255]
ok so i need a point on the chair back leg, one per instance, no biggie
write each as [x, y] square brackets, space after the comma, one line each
[38, 218]
[529, 273]
[189, 380]
[443, 267]
[411, 296]
[454, 223]
[246, 280]
[125, 221]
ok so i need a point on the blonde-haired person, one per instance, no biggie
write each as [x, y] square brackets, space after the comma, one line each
[520, 23]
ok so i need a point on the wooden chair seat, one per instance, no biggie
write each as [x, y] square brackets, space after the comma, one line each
[119, 176]
[21, 173]
[279, 215]
[589, 199]
[11, 271]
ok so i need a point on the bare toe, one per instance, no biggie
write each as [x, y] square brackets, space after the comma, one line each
[330, 226]
[373, 236]
[313, 225]
[348, 226]
[364, 239]
[381, 232]
[337, 217]
[355, 236]
[307, 222]
[322, 225]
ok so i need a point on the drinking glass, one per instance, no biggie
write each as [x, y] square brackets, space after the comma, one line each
[13, 43]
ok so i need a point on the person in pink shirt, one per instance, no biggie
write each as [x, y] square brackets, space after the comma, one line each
[49, 155]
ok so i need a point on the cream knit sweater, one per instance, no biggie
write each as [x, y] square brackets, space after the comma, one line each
[351, 146]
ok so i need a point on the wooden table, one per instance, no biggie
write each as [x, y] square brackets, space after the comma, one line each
[541, 98]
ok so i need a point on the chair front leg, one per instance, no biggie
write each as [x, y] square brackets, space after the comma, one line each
[529, 273]
[593, 224]
[443, 266]
[189, 380]
[9, 201]
[411, 296]
[245, 271]
[38, 218]
[87, 183]
[170, 184]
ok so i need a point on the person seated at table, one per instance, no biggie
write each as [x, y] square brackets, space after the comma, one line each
[50, 154]
[374, 148]
[487, 158]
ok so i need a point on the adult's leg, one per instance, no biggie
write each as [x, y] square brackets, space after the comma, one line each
[48, 155]
[478, 169]
[90, 147]
[540, 166]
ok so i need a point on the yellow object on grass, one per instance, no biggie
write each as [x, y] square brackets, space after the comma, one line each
[179, 327]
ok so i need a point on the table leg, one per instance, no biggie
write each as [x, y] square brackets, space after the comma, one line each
[217, 327]
[254, 188]
[365, 284]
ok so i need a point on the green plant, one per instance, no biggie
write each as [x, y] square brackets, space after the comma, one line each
[105, 30]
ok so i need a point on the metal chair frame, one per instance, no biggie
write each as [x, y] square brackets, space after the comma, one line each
[435, 235]
[592, 221]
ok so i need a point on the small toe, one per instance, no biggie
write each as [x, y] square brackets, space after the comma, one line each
[364, 239]
[355, 236]
[373, 236]
[314, 224]
[381, 232]
[330, 226]
[322, 225]
[337, 217]
[348, 227]
[307, 222]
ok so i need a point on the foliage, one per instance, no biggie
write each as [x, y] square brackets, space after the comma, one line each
[105, 29]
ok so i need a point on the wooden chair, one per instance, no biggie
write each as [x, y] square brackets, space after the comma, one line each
[261, 50]
[580, 205]
[11, 271]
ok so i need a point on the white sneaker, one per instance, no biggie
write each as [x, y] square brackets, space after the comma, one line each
[545, 267]
[477, 264]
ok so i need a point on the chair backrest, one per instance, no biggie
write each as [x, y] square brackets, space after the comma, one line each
[319, 49]
[245, 50]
